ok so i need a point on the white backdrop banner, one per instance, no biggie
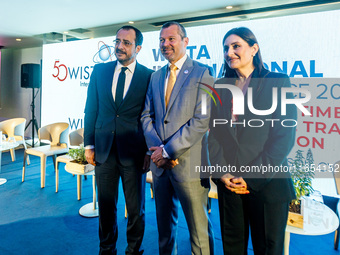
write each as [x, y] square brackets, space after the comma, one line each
[303, 46]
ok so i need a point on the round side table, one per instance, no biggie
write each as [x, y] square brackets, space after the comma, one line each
[89, 210]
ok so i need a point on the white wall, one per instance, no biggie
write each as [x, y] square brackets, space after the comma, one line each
[15, 101]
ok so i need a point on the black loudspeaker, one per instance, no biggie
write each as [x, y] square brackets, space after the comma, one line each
[30, 76]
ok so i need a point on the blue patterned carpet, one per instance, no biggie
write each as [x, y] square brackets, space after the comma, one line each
[38, 221]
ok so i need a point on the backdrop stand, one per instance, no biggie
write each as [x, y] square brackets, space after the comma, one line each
[33, 121]
[31, 78]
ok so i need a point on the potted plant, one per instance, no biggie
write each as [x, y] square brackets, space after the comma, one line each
[302, 174]
[79, 162]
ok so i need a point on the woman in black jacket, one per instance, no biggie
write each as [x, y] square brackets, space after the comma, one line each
[257, 190]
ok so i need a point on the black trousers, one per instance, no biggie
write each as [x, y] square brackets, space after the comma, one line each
[267, 223]
[133, 180]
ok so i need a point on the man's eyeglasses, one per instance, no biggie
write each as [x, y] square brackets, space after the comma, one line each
[125, 43]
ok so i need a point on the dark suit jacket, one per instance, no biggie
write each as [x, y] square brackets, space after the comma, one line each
[256, 146]
[104, 121]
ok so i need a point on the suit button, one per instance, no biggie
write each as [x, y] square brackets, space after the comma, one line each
[113, 132]
[166, 122]
[117, 115]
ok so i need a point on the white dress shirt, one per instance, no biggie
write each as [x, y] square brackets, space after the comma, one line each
[129, 73]
[179, 65]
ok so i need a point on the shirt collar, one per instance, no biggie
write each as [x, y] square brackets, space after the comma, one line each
[180, 62]
[130, 67]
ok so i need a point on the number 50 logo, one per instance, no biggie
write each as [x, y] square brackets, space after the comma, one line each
[61, 71]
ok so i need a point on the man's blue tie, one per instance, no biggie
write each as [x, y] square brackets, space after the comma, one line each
[120, 86]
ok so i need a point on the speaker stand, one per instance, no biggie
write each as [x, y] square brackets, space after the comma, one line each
[33, 121]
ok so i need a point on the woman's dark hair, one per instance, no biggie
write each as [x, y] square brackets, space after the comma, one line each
[247, 35]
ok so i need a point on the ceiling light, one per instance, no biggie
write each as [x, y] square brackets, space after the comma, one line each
[18, 40]
[131, 22]
[229, 7]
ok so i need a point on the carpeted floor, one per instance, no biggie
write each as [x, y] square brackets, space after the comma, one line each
[38, 221]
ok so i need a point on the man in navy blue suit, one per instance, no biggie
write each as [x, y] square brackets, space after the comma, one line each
[114, 139]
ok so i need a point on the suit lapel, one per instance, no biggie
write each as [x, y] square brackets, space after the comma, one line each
[181, 78]
[256, 82]
[227, 110]
[162, 85]
[108, 87]
[133, 88]
[256, 85]
[224, 111]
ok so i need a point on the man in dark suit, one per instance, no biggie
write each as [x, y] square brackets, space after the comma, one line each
[114, 140]
[174, 127]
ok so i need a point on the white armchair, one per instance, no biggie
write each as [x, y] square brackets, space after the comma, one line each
[15, 128]
[57, 134]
